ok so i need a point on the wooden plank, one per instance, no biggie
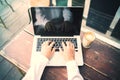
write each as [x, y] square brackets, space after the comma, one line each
[103, 58]
[90, 74]
[60, 73]
[54, 73]
[5, 67]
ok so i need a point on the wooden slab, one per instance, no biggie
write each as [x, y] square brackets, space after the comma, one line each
[54, 73]
[90, 74]
[103, 58]
[60, 73]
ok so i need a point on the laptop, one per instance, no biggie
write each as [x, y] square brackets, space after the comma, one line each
[66, 25]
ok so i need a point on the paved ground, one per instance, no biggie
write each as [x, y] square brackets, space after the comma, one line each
[8, 71]
[13, 19]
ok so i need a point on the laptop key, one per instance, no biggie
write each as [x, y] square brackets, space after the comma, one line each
[58, 42]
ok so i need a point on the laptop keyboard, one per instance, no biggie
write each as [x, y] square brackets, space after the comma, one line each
[57, 41]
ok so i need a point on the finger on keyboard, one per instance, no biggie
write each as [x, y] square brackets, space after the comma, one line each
[51, 44]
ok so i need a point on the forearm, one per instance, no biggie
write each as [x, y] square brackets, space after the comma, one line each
[73, 71]
[36, 69]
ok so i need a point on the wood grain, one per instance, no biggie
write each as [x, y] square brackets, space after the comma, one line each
[104, 58]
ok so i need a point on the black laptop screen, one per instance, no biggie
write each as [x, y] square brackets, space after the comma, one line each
[56, 21]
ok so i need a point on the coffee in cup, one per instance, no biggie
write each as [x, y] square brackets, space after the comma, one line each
[88, 38]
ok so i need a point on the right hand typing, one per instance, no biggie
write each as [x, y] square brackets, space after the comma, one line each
[68, 51]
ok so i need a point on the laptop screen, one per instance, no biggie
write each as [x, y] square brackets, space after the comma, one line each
[57, 21]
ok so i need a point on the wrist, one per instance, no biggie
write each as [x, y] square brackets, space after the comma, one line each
[71, 62]
[45, 57]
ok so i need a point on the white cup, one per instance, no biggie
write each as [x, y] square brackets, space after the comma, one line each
[88, 38]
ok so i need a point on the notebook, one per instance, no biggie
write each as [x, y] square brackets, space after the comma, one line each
[58, 24]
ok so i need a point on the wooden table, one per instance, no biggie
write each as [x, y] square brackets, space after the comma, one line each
[101, 61]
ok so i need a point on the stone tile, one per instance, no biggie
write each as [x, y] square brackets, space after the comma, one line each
[5, 35]
[14, 74]
[20, 49]
[14, 21]
[1, 58]
[5, 67]
[29, 28]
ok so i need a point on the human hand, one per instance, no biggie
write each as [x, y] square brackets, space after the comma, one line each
[68, 51]
[49, 26]
[47, 49]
